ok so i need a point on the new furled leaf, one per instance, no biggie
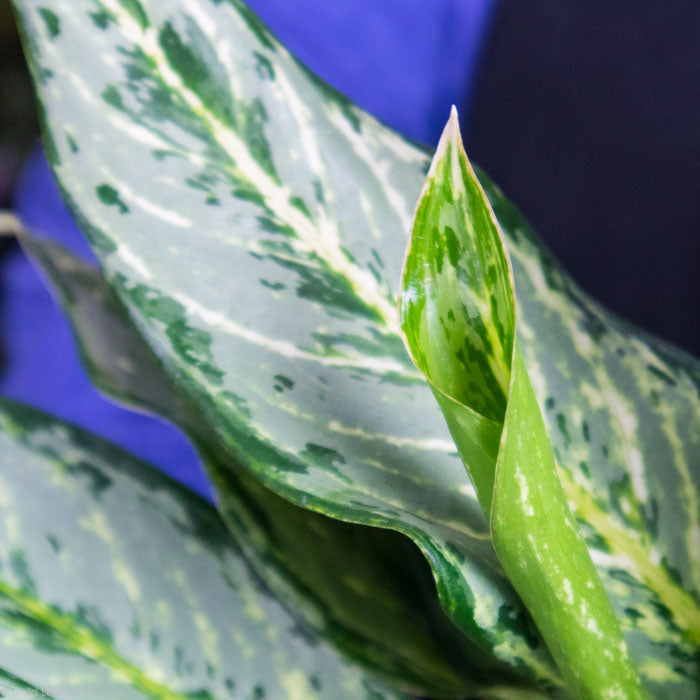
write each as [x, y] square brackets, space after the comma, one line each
[458, 314]
[253, 222]
[116, 581]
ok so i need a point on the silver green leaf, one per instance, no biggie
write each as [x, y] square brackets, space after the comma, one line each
[253, 222]
[366, 591]
[116, 581]
[458, 314]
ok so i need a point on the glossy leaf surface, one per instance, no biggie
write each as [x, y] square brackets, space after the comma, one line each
[458, 314]
[366, 591]
[116, 581]
[254, 222]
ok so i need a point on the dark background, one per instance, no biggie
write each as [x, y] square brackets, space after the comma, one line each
[587, 114]
[18, 123]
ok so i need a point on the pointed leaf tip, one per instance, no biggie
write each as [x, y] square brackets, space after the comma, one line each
[456, 291]
[453, 122]
[451, 135]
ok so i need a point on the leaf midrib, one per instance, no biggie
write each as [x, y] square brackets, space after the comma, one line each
[83, 641]
[326, 241]
[685, 612]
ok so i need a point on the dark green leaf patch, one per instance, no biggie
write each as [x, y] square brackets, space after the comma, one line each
[283, 383]
[264, 67]
[136, 10]
[325, 286]
[20, 570]
[326, 458]
[53, 24]
[192, 344]
[196, 63]
[102, 18]
[110, 197]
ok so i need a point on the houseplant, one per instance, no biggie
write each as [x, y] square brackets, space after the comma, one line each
[256, 280]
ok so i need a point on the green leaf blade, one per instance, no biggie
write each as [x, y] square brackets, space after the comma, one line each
[366, 592]
[115, 580]
[626, 443]
[233, 286]
[336, 278]
[452, 220]
[534, 533]
[539, 545]
[457, 242]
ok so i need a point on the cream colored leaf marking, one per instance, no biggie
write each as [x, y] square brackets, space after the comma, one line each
[514, 650]
[397, 144]
[96, 523]
[367, 210]
[11, 537]
[203, 20]
[685, 611]
[428, 444]
[208, 637]
[324, 238]
[689, 492]
[221, 322]
[659, 672]
[297, 685]
[379, 169]
[302, 117]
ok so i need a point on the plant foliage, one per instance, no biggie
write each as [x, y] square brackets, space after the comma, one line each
[252, 222]
[458, 314]
[115, 580]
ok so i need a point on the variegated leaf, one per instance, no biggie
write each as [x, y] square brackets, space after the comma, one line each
[254, 222]
[458, 315]
[115, 581]
[366, 591]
